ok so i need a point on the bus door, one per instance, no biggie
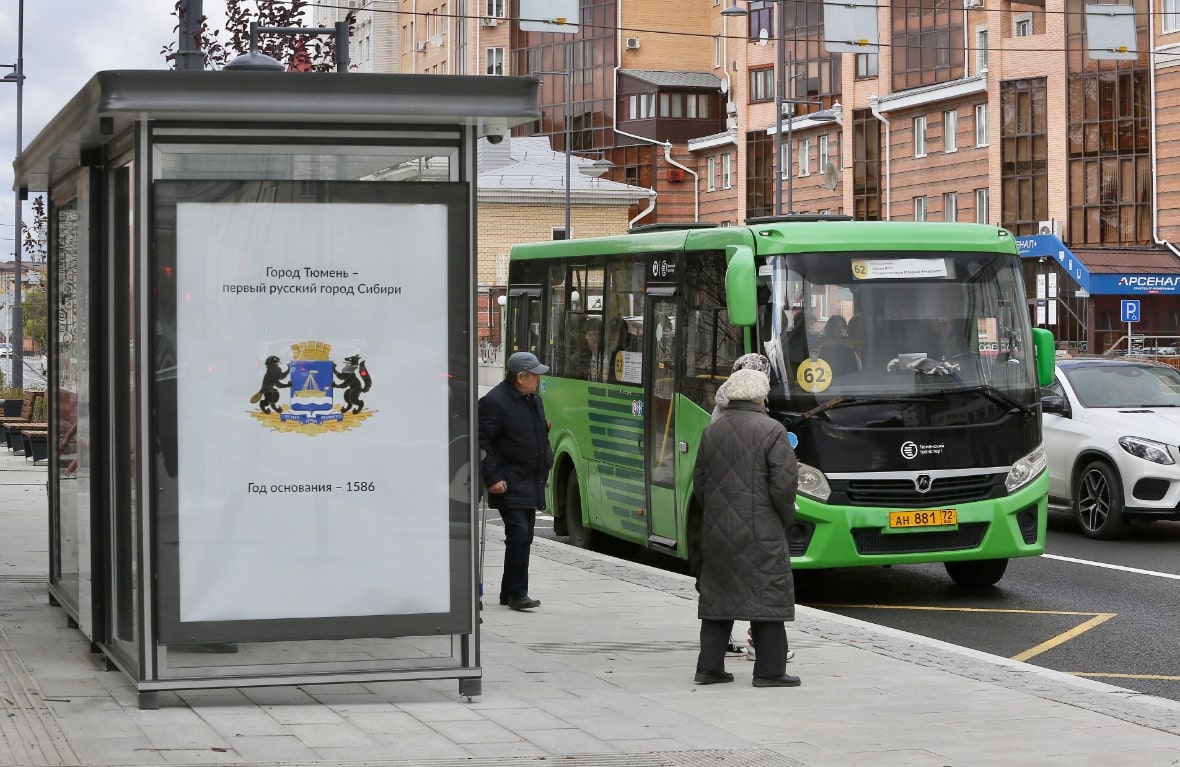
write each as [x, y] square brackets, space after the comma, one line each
[522, 323]
[660, 423]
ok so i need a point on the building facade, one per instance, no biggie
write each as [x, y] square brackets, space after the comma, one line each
[982, 111]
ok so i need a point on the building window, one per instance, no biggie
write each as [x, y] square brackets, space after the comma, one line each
[1024, 149]
[711, 175]
[495, 61]
[1171, 16]
[981, 125]
[981, 48]
[641, 106]
[866, 165]
[495, 9]
[824, 143]
[805, 157]
[919, 137]
[919, 208]
[1109, 139]
[761, 84]
[950, 131]
[927, 43]
[1022, 25]
[727, 171]
[759, 174]
[866, 64]
[761, 18]
[717, 48]
[981, 206]
[950, 206]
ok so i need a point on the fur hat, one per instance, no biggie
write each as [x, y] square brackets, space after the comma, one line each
[752, 361]
[752, 385]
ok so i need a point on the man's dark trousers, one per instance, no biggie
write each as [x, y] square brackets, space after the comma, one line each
[518, 539]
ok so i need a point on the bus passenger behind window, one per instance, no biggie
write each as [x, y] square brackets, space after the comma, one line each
[835, 348]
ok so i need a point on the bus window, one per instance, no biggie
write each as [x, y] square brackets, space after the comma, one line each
[555, 329]
[578, 345]
[711, 343]
[625, 301]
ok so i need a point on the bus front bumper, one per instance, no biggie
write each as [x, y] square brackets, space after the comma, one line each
[824, 536]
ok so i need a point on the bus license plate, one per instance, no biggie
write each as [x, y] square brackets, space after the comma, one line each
[924, 518]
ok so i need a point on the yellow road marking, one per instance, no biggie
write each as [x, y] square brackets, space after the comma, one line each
[1065, 637]
[1157, 677]
[1095, 620]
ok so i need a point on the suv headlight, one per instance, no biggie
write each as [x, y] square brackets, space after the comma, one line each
[1026, 469]
[1147, 449]
[813, 483]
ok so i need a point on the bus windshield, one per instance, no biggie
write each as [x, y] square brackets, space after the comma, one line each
[873, 325]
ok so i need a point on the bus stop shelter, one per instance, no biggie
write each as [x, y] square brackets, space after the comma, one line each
[262, 372]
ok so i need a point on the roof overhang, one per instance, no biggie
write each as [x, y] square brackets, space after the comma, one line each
[933, 94]
[112, 101]
[1109, 271]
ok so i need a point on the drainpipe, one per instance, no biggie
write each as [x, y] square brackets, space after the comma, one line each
[1155, 208]
[875, 104]
[650, 207]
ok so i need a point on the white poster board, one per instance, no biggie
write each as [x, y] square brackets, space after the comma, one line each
[292, 502]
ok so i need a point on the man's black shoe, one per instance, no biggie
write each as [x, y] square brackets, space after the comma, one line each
[524, 603]
[786, 680]
[713, 677]
[504, 601]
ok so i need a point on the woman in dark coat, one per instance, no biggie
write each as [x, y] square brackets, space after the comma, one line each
[745, 480]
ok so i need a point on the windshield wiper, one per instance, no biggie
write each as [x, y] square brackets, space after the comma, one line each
[995, 395]
[845, 400]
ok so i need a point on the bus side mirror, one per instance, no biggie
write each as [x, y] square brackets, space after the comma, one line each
[1046, 351]
[741, 295]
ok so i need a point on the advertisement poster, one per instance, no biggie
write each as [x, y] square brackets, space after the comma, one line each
[312, 399]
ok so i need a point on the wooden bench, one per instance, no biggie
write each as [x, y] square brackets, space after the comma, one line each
[16, 434]
[36, 442]
[26, 414]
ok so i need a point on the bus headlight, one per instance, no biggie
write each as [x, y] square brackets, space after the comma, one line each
[1026, 469]
[813, 483]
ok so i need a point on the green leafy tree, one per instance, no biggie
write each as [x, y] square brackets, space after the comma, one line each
[315, 53]
[35, 306]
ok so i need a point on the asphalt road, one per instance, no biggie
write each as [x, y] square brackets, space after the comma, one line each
[34, 371]
[1100, 609]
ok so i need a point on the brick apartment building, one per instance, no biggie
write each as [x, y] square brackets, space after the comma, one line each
[970, 110]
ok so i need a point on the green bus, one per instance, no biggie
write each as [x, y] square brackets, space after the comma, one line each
[903, 366]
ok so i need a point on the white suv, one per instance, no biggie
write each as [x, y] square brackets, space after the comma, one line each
[1112, 438]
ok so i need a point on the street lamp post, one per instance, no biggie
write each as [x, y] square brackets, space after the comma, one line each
[17, 316]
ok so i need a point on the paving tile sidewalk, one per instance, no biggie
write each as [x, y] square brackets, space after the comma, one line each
[601, 674]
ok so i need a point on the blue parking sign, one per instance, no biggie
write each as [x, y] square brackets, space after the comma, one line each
[1130, 310]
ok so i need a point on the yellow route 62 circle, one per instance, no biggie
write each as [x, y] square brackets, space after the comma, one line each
[814, 375]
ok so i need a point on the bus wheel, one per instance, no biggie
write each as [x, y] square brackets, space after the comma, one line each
[1098, 502]
[579, 535]
[977, 572]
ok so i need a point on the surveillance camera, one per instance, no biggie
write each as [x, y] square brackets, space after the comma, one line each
[495, 138]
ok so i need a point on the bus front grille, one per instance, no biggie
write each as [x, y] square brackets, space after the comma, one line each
[901, 493]
[870, 540]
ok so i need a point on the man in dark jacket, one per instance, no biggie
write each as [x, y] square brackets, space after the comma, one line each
[745, 479]
[514, 440]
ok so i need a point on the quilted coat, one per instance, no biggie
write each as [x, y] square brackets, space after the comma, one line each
[745, 479]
